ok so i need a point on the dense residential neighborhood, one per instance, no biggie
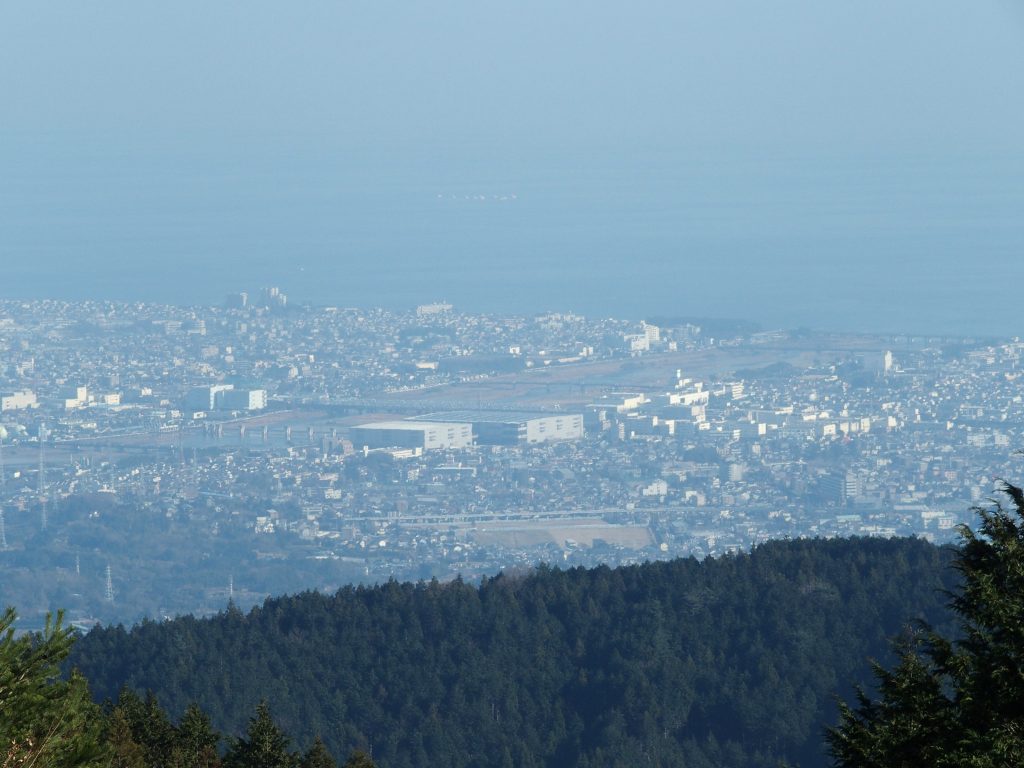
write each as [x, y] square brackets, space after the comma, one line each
[294, 446]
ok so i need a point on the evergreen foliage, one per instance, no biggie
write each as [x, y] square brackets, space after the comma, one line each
[954, 702]
[139, 732]
[124, 750]
[44, 721]
[317, 756]
[359, 759]
[196, 741]
[263, 746]
[731, 661]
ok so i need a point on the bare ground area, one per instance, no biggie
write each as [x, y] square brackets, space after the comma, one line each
[562, 533]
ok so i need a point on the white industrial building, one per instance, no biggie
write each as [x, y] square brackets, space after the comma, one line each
[514, 427]
[205, 398]
[76, 397]
[428, 435]
[242, 400]
[225, 397]
[18, 401]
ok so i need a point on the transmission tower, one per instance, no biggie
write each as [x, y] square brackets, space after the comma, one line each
[3, 532]
[108, 594]
[231, 587]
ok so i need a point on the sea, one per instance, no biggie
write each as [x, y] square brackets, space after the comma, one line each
[889, 242]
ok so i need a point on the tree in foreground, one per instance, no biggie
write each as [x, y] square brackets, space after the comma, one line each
[139, 734]
[318, 756]
[954, 703]
[263, 746]
[44, 721]
[196, 742]
[359, 759]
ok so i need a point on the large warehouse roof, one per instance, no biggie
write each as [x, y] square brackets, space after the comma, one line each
[408, 424]
[495, 417]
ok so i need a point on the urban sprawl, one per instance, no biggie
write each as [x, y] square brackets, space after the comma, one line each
[157, 460]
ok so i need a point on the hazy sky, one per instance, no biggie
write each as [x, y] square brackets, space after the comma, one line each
[947, 73]
[808, 144]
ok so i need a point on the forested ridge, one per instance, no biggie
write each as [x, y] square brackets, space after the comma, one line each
[49, 722]
[727, 661]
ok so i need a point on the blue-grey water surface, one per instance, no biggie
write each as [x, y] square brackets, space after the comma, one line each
[917, 243]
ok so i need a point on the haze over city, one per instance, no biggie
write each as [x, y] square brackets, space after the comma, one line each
[505, 383]
[852, 167]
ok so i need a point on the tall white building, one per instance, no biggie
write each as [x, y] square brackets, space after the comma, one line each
[652, 332]
[242, 400]
[205, 398]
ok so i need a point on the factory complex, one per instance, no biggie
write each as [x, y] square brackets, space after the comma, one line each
[458, 429]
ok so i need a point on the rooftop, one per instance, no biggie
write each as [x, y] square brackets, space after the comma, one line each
[494, 417]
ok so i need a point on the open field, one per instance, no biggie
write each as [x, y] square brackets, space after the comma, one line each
[515, 534]
[576, 384]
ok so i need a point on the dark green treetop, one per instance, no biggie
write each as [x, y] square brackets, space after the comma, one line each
[954, 702]
[317, 756]
[359, 759]
[263, 746]
[44, 721]
[196, 742]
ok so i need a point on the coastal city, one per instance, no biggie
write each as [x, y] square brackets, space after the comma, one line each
[284, 447]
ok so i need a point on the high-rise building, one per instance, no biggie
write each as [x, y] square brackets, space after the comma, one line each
[652, 332]
[205, 398]
[242, 400]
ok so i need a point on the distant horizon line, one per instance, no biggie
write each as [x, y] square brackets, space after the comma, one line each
[651, 319]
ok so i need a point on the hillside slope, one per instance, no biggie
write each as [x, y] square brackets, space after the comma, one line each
[732, 661]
